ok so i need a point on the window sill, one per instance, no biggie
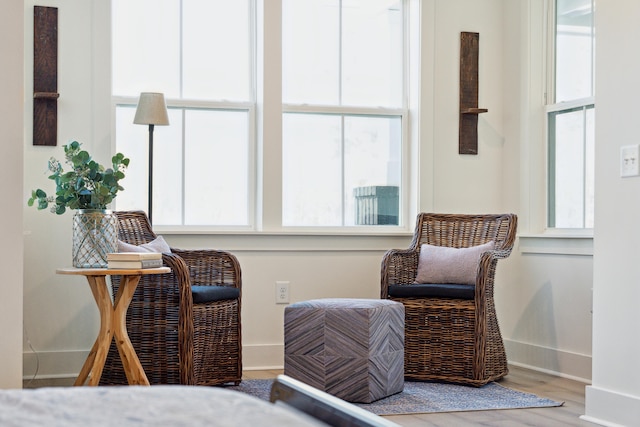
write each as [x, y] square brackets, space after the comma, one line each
[287, 241]
[558, 242]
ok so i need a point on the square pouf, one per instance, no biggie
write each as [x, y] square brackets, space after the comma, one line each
[350, 348]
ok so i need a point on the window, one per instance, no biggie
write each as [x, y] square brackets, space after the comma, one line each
[343, 107]
[570, 115]
[343, 86]
[199, 54]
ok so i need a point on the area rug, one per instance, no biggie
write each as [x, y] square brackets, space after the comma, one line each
[425, 397]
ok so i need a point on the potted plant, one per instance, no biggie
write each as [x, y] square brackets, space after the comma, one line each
[88, 188]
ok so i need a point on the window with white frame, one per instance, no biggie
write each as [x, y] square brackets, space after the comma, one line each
[344, 112]
[199, 53]
[570, 114]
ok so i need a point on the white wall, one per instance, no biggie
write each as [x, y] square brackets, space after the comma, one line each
[60, 317]
[545, 306]
[543, 291]
[461, 183]
[614, 396]
[11, 118]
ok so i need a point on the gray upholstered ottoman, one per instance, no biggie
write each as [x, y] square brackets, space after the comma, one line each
[350, 348]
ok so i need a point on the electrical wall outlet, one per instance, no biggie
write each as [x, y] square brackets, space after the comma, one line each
[630, 160]
[282, 292]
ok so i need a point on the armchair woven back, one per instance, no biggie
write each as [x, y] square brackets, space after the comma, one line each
[463, 231]
[134, 227]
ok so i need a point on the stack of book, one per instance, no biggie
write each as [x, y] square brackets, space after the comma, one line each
[134, 260]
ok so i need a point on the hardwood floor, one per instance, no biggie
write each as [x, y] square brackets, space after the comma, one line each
[544, 385]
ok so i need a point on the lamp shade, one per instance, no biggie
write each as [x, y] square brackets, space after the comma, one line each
[152, 109]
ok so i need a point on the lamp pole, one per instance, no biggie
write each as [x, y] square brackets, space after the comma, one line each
[151, 110]
[150, 206]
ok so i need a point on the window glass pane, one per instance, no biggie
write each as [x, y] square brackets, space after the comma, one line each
[312, 170]
[589, 184]
[569, 154]
[372, 171]
[372, 53]
[133, 142]
[319, 150]
[574, 49]
[571, 179]
[168, 166]
[216, 179]
[311, 51]
[343, 52]
[216, 50]
[146, 47]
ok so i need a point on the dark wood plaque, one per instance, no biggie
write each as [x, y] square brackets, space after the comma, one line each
[45, 75]
[469, 53]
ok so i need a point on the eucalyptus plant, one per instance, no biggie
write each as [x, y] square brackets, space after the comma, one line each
[88, 185]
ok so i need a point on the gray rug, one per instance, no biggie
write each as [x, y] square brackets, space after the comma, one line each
[425, 397]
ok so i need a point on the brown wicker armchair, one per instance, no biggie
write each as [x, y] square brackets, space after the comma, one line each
[451, 338]
[178, 339]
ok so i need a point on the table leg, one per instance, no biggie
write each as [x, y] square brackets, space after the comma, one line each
[130, 362]
[88, 365]
[94, 364]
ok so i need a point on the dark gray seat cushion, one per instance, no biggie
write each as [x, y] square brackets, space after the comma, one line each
[435, 290]
[204, 294]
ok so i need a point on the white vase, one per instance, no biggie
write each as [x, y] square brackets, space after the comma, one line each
[95, 234]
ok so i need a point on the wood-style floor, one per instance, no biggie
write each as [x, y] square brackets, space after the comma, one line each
[556, 388]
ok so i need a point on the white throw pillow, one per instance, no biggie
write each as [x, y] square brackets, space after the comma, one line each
[442, 264]
[156, 245]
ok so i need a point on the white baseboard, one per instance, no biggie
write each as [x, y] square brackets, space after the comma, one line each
[52, 364]
[63, 364]
[610, 408]
[565, 364]
[67, 364]
[263, 356]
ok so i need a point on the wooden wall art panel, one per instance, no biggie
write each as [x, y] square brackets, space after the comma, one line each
[45, 75]
[469, 53]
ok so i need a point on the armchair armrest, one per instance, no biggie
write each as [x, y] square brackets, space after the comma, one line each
[399, 266]
[486, 273]
[209, 267]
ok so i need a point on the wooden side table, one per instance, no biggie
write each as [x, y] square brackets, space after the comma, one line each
[112, 322]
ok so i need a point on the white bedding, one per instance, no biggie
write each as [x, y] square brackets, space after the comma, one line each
[142, 406]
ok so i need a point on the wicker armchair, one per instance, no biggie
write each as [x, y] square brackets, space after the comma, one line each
[452, 339]
[177, 340]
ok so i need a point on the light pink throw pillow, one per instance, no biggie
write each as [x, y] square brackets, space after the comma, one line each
[156, 245]
[442, 264]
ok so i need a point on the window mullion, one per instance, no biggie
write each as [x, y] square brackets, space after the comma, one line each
[593, 49]
[584, 166]
[181, 52]
[333, 109]
[551, 197]
[340, 50]
[183, 213]
[343, 170]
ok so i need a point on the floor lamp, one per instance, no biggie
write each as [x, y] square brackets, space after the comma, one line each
[152, 110]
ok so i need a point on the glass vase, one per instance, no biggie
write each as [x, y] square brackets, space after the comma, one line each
[95, 234]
